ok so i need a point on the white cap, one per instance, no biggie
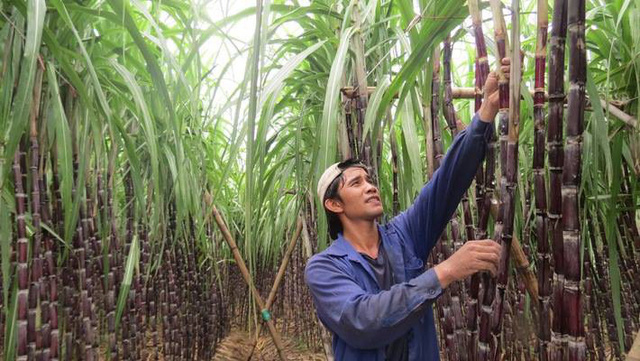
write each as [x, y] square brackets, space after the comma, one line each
[329, 175]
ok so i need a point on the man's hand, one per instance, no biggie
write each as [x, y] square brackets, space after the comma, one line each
[472, 257]
[491, 102]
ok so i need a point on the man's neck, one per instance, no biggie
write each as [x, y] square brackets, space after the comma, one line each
[363, 236]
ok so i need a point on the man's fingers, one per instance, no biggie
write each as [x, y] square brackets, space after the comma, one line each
[506, 61]
[486, 242]
[488, 266]
[492, 257]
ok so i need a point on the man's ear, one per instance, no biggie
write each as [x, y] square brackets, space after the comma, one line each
[334, 205]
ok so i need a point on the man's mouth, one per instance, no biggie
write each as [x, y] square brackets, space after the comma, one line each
[373, 199]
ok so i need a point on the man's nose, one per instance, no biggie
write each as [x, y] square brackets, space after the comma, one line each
[371, 188]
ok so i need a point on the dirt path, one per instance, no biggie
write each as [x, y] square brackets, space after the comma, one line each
[237, 346]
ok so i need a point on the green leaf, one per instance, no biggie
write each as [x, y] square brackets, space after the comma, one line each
[330, 112]
[36, 10]
[131, 265]
[64, 151]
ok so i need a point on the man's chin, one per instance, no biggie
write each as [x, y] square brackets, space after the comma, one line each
[378, 212]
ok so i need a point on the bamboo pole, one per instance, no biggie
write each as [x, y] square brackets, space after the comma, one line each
[247, 278]
[279, 277]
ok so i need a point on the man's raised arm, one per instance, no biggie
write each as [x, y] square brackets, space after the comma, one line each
[425, 220]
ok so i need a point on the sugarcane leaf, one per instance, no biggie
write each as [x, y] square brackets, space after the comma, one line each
[162, 42]
[36, 10]
[149, 129]
[622, 12]
[9, 77]
[409, 133]
[612, 237]
[122, 11]
[330, 113]
[11, 319]
[431, 33]
[130, 267]
[370, 117]
[599, 126]
[64, 151]
[62, 10]
[329, 124]
[70, 224]
[283, 73]
[51, 232]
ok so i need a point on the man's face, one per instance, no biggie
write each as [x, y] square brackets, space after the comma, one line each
[360, 197]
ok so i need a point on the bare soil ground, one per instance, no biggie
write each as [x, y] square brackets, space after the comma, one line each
[237, 346]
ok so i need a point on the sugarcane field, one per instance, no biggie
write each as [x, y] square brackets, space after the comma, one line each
[320, 180]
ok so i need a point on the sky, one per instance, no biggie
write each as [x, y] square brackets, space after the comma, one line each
[240, 34]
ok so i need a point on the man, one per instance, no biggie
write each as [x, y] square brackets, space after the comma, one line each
[369, 287]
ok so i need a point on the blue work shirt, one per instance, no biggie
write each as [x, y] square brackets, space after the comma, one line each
[349, 302]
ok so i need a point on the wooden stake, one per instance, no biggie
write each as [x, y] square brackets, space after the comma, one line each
[279, 278]
[247, 277]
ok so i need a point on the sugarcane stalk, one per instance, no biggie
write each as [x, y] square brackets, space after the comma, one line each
[485, 188]
[438, 150]
[456, 292]
[361, 101]
[541, 222]
[452, 122]
[442, 251]
[509, 170]
[22, 270]
[556, 160]
[112, 260]
[247, 277]
[588, 309]
[604, 287]
[520, 260]
[572, 297]
[482, 61]
[487, 346]
[35, 336]
[393, 148]
[449, 110]
[427, 108]
[51, 335]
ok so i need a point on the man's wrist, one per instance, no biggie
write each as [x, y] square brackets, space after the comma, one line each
[487, 115]
[444, 274]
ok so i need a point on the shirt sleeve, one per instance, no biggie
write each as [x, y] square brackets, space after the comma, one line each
[425, 220]
[365, 320]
